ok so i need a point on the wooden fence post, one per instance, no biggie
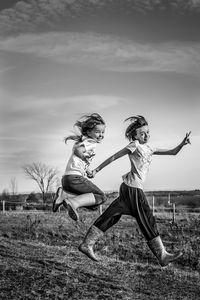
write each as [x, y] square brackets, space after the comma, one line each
[174, 210]
[3, 206]
[153, 205]
[100, 209]
[169, 198]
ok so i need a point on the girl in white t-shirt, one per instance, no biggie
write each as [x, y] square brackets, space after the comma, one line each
[91, 132]
[132, 200]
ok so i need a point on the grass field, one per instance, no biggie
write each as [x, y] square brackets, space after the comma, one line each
[39, 259]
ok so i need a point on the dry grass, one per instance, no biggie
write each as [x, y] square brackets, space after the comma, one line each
[39, 260]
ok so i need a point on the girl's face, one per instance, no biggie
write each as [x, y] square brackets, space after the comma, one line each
[97, 133]
[142, 134]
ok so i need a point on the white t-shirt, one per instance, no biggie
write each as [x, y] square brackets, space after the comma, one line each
[75, 165]
[140, 159]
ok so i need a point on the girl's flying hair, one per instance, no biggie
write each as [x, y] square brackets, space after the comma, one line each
[85, 124]
[136, 122]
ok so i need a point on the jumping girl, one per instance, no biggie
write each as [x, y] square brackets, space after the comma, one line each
[132, 200]
[91, 132]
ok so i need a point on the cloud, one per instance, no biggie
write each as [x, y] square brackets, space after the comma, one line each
[34, 129]
[4, 69]
[95, 102]
[107, 52]
[42, 118]
[28, 16]
[34, 15]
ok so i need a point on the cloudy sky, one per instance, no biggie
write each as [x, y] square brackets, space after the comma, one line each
[60, 59]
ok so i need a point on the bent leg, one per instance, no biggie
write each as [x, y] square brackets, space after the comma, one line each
[80, 186]
[88, 194]
[110, 217]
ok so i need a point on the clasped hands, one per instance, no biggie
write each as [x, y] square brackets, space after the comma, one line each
[91, 173]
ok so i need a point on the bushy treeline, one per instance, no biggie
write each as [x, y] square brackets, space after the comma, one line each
[181, 198]
[174, 193]
[33, 200]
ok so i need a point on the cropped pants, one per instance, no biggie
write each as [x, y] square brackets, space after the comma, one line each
[131, 201]
[81, 185]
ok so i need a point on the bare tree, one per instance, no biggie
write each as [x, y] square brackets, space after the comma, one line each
[13, 186]
[57, 183]
[44, 176]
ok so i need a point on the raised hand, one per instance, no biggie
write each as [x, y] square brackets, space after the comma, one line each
[186, 140]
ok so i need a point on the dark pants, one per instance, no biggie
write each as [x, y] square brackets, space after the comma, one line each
[81, 185]
[131, 201]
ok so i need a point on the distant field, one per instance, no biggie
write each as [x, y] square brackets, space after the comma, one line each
[185, 201]
[39, 259]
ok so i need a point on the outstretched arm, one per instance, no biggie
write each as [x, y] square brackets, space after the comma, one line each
[109, 160]
[175, 150]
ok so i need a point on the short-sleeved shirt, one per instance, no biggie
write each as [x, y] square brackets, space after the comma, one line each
[77, 166]
[140, 159]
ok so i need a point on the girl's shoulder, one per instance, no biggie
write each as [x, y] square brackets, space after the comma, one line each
[88, 139]
[132, 145]
[87, 143]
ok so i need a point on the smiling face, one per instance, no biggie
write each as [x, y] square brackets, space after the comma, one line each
[97, 133]
[142, 134]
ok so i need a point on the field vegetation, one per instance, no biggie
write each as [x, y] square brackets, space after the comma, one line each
[39, 258]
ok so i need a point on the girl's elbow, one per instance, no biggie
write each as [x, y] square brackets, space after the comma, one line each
[174, 153]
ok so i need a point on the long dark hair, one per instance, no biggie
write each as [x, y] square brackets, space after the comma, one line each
[136, 122]
[85, 123]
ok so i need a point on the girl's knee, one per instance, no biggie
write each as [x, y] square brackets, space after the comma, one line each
[104, 198]
[100, 199]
